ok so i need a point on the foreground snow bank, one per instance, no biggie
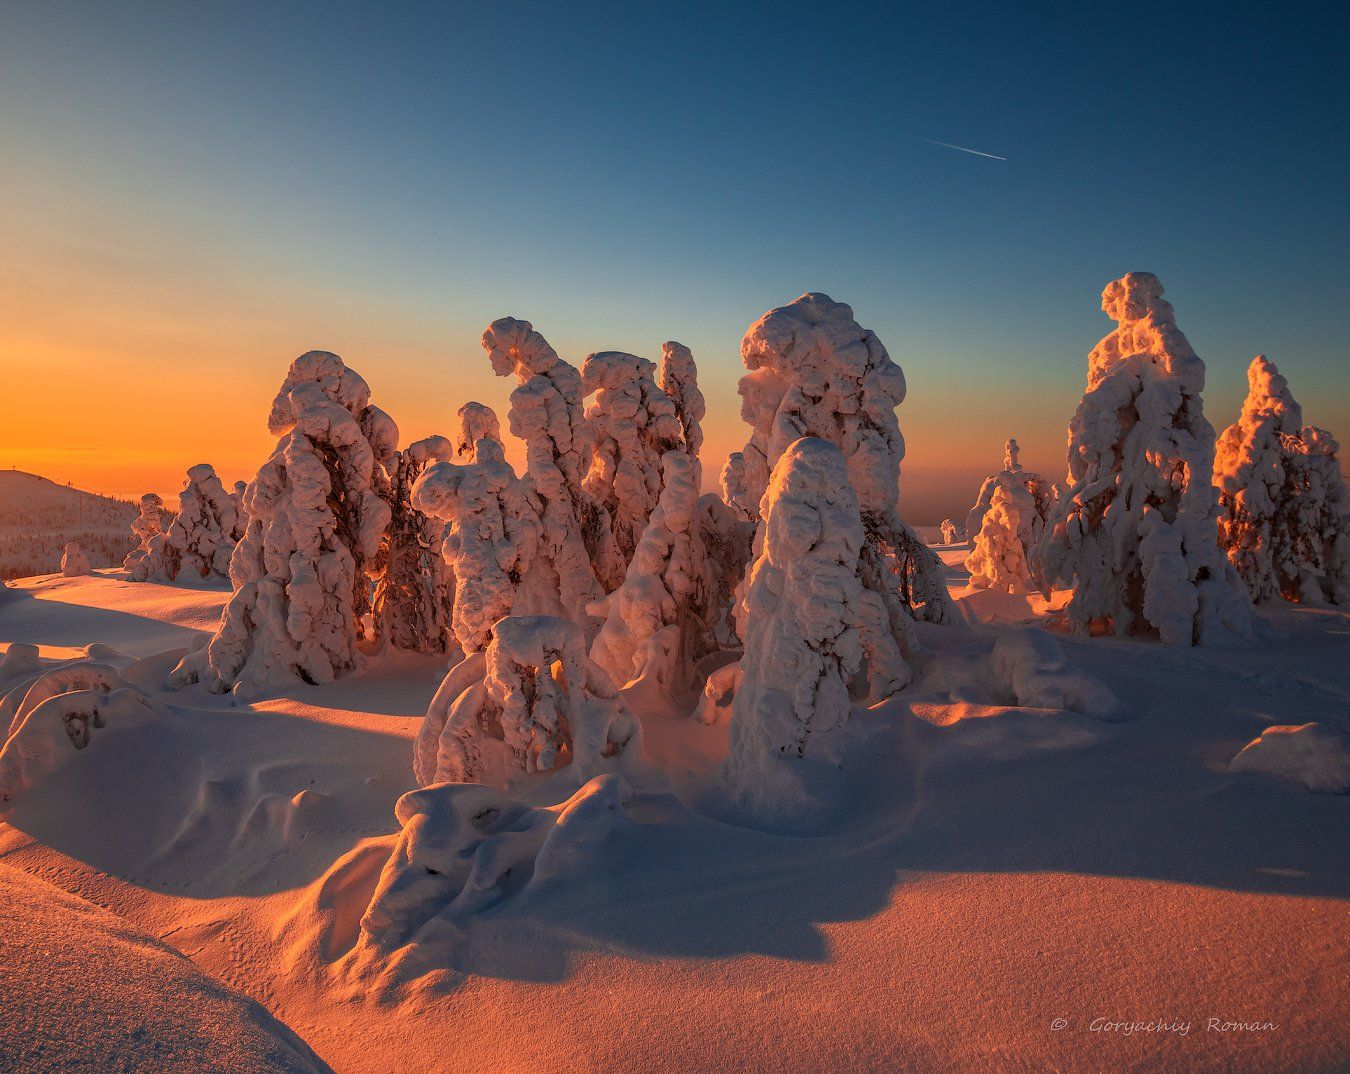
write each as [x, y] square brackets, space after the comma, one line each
[82, 989]
[1311, 754]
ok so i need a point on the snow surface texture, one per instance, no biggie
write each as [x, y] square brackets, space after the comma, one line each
[1286, 512]
[200, 540]
[814, 371]
[149, 528]
[634, 423]
[1007, 522]
[318, 514]
[547, 412]
[1136, 533]
[493, 541]
[74, 562]
[1313, 755]
[808, 624]
[532, 702]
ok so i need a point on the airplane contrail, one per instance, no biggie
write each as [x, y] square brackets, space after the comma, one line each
[963, 149]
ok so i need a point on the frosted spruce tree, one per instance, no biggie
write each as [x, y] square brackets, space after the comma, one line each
[951, 533]
[201, 539]
[240, 513]
[547, 413]
[149, 528]
[477, 421]
[805, 613]
[1002, 545]
[1135, 531]
[74, 563]
[317, 522]
[1285, 520]
[814, 371]
[633, 423]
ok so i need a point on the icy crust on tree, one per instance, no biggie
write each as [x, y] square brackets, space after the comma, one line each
[951, 533]
[633, 424]
[1009, 518]
[1284, 502]
[1136, 532]
[201, 539]
[414, 598]
[814, 371]
[810, 627]
[652, 631]
[533, 702]
[1312, 754]
[477, 421]
[548, 414]
[677, 377]
[74, 563]
[318, 514]
[493, 540]
[149, 528]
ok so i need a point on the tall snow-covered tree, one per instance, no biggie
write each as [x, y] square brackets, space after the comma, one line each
[1025, 503]
[201, 539]
[318, 516]
[149, 528]
[677, 377]
[548, 414]
[814, 371]
[1135, 532]
[633, 423]
[1285, 520]
[240, 513]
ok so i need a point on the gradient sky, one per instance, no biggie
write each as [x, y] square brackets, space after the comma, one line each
[192, 195]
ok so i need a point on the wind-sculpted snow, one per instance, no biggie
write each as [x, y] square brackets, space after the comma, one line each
[74, 563]
[318, 514]
[1135, 533]
[1311, 754]
[414, 598]
[531, 703]
[548, 414]
[149, 528]
[809, 627]
[493, 540]
[1285, 520]
[634, 423]
[1006, 524]
[200, 541]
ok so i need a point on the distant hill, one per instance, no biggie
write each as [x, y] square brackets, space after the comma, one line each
[38, 516]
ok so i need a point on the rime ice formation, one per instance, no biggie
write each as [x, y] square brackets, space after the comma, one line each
[149, 528]
[814, 371]
[633, 423]
[532, 702]
[810, 625]
[201, 540]
[677, 377]
[414, 597]
[951, 532]
[1312, 754]
[240, 513]
[476, 422]
[493, 540]
[1135, 532]
[652, 629]
[548, 414]
[74, 562]
[1011, 476]
[317, 521]
[1008, 519]
[1284, 507]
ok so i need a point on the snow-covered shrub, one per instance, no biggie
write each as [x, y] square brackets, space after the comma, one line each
[651, 629]
[633, 423]
[493, 540]
[149, 527]
[201, 539]
[951, 532]
[548, 414]
[317, 522]
[74, 562]
[1038, 674]
[414, 597]
[814, 371]
[807, 620]
[477, 421]
[1285, 519]
[1312, 754]
[1135, 533]
[532, 702]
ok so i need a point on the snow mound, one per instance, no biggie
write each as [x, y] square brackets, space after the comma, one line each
[74, 563]
[1312, 754]
[82, 989]
[1034, 666]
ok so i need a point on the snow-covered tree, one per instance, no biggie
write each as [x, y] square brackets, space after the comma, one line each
[201, 540]
[1135, 532]
[74, 562]
[149, 528]
[548, 414]
[814, 371]
[652, 629]
[1026, 502]
[493, 541]
[806, 616]
[1285, 519]
[476, 422]
[317, 522]
[633, 423]
[531, 702]
[951, 532]
[677, 377]
[240, 512]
